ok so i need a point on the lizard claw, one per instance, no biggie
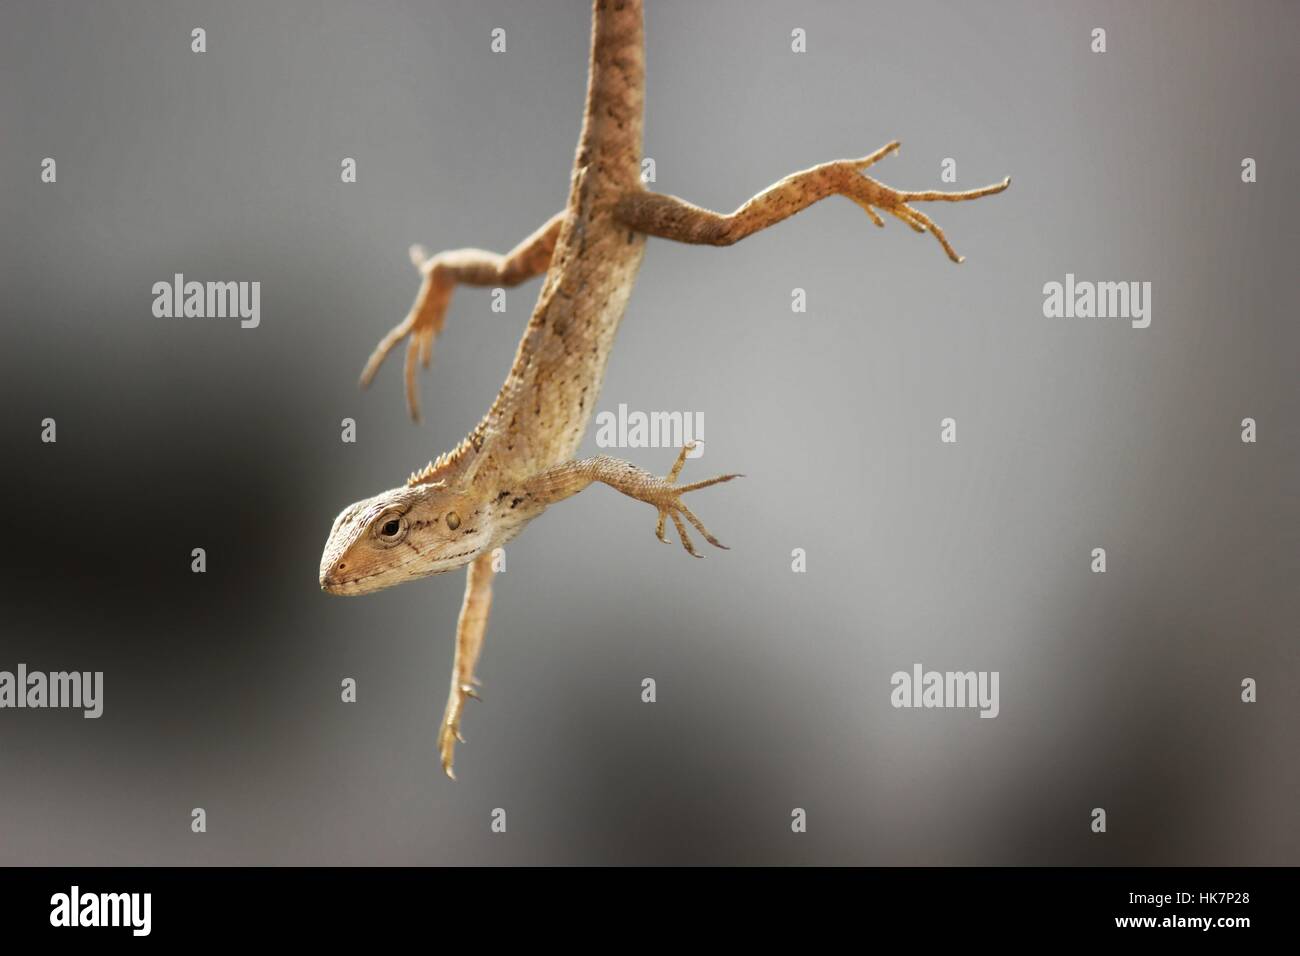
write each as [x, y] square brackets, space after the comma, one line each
[447, 738]
[420, 327]
[669, 503]
[449, 734]
[869, 193]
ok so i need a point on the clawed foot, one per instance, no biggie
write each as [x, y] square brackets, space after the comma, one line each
[449, 734]
[668, 500]
[420, 327]
[869, 193]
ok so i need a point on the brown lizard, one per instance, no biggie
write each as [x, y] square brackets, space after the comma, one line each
[519, 459]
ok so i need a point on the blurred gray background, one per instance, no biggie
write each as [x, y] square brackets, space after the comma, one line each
[222, 690]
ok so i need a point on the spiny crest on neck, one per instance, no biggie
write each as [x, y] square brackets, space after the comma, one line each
[438, 470]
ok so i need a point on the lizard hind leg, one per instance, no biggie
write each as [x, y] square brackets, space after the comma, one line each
[442, 273]
[655, 214]
[470, 629]
[420, 327]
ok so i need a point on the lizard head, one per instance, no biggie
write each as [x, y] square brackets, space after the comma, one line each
[400, 535]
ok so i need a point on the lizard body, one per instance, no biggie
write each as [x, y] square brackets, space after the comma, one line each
[519, 459]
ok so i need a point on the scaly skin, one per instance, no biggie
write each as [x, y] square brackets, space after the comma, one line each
[518, 460]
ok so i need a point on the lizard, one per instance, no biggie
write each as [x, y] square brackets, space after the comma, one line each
[519, 459]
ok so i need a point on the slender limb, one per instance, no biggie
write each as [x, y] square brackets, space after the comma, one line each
[469, 642]
[442, 273]
[672, 218]
[665, 494]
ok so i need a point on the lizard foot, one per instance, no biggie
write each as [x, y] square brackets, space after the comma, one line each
[869, 193]
[449, 734]
[667, 497]
[420, 327]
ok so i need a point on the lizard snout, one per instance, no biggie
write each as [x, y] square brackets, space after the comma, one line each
[331, 578]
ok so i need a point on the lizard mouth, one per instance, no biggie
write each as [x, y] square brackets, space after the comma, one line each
[332, 582]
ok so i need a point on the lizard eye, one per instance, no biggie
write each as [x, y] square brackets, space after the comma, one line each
[391, 529]
[453, 520]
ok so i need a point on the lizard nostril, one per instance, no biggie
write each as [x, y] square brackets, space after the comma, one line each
[342, 565]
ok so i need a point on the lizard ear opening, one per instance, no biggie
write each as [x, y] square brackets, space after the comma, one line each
[453, 520]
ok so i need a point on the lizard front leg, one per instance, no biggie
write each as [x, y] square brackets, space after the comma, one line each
[470, 629]
[442, 273]
[563, 481]
[671, 218]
